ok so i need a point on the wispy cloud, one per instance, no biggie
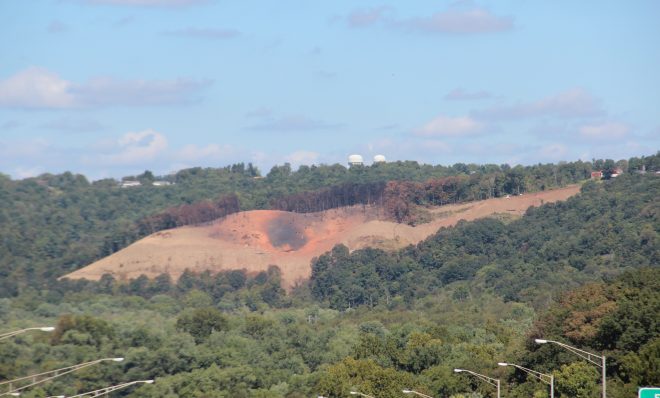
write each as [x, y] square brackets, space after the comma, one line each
[36, 88]
[450, 126]
[606, 130]
[459, 21]
[365, 17]
[39, 88]
[204, 33]
[107, 91]
[573, 103]
[459, 94]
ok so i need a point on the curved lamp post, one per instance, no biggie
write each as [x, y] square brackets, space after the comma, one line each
[416, 393]
[50, 375]
[598, 360]
[15, 332]
[493, 382]
[546, 378]
[106, 390]
[360, 394]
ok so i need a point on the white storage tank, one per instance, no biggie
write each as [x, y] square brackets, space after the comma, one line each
[355, 160]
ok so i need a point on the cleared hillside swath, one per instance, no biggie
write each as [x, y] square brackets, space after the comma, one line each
[254, 240]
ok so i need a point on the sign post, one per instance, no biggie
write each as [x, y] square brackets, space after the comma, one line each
[649, 392]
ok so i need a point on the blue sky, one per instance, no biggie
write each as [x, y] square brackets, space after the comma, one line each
[109, 88]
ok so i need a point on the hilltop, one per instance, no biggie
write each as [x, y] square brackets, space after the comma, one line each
[254, 240]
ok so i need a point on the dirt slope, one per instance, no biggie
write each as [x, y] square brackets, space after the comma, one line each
[253, 240]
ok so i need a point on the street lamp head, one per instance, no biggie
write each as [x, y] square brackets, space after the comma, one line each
[458, 370]
[353, 392]
[406, 391]
[540, 341]
[149, 381]
[117, 359]
[47, 329]
[503, 364]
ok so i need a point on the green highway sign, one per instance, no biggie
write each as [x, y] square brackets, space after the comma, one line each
[649, 392]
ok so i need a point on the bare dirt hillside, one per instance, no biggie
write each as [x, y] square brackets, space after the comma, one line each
[253, 240]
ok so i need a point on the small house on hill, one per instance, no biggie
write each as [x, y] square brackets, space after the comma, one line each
[596, 175]
[130, 183]
[617, 172]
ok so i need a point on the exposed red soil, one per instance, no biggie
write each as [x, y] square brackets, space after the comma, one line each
[253, 240]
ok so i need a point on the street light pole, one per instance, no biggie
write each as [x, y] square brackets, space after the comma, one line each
[417, 393]
[598, 360]
[106, 390]
[493, 382]
[546, 378]
[14, 333]
[50, 375]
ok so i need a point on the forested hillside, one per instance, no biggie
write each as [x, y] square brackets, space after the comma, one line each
[610, 227]
[195, 345]
[373, 321]
[53, 224]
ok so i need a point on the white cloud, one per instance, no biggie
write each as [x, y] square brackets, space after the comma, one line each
[573, 103]
[302, 157]
[607, 130]
[450, 126]
[38, 88]
[135, 148]
[459, 21]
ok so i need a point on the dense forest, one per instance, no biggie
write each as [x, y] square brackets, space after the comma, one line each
[606, 229]
[195, 345]
[584, 272]
[54, 224]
